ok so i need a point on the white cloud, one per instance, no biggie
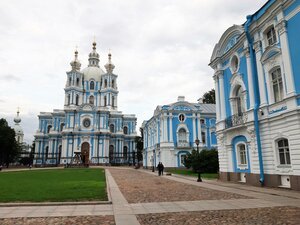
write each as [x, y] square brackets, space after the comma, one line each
[160, 48]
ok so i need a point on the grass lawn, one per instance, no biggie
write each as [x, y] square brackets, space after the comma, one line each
[53, 185]
[191, 173]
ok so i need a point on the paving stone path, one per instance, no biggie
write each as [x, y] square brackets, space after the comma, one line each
[141, 197]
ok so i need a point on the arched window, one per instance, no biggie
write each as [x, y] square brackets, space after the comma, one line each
[203, 137]
[70, 81]
[91, 99]
[105, 83]
[113, 101]
[238, 101]
[283, 151]
[77, 99]
[271, 36]
[113, 83]
[182, 135]
[69, 99]
[242, 157]
[62, 126]
[105, 101]
[92, 85]
[125, 152]
[125, 130]
[77, 81]
[277, 85]
[111, 128]
[48, 128]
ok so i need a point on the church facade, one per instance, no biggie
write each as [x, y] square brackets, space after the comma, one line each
[90, 123]
[173, 130]
[257, 87]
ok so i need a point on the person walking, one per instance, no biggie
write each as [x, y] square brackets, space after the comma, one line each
[159, 168]
[162, 168]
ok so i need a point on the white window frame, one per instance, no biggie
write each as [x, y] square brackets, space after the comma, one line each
[281, 91]
[285, 149]
[271, 40]
[238, 158]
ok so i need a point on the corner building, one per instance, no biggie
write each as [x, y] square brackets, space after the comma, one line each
[90, 122]
[171, 133]
[257, 82]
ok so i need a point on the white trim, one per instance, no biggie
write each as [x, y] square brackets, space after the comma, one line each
[293, 13]
[239, 165]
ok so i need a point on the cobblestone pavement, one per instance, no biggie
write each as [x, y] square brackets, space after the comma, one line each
[275, 215]
[88, 220]
[138, 187]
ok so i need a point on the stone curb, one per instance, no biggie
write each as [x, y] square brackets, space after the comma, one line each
[54, 203]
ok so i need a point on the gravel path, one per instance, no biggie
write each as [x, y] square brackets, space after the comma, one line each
[137, 186]
[276, 215]
[88, 220]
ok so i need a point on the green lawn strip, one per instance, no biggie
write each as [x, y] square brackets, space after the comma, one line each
[191, 173]
[53, 185]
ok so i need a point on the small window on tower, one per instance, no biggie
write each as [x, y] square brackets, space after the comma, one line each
[105, 103]
[113, 83]
[77, 99]
[92, 85]
[105, 83]
[70, 81]
[77, 82]
[113, 101]
[91, 100]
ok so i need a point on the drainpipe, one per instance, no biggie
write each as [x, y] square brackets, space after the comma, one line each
[257, 100]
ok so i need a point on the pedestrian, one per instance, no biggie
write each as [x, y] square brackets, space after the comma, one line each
[162, 168]
[159, 168]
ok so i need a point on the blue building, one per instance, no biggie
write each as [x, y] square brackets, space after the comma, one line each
[257, 81]
[171, 133]
[90, 122]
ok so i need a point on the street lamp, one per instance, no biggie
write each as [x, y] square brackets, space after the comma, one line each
[199, 175]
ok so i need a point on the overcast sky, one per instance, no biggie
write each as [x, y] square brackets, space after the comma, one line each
[161, 49]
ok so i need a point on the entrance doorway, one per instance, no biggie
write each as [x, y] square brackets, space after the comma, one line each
[85, 153]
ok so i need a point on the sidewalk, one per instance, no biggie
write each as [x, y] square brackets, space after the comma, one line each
[255, 200]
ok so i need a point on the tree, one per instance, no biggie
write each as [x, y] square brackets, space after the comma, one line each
[205, 161]
[209, 97]
[139, 140]
[9, 148]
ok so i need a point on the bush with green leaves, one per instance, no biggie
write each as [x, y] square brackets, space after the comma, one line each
[206, 161]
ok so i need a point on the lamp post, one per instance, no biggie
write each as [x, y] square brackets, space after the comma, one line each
[199, 175]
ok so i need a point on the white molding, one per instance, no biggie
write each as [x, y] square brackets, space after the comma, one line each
[293, 13]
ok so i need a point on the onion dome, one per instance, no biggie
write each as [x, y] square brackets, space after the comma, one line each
[18, 129]
[94, 57]
[93, 71]
[109, 66]
[75, 63]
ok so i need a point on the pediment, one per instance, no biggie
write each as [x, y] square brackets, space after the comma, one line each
[270, 53]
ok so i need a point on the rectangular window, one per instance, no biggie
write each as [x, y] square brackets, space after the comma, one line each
[284, 152]
[277, 85]
[271, 36]
[242, 154]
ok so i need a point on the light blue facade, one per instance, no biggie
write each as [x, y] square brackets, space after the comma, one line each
[257, 92]
[90, 122]
[171, 133]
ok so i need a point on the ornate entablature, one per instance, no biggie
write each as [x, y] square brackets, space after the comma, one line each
[182, 108]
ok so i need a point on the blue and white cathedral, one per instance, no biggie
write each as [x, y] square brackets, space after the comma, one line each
[257, 83]
[90, 122]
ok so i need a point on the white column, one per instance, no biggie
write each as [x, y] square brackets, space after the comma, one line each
[165, 128]
[250, 78]
[260, 74]
[171, 127]
[194, 127]
[222, 94]
[288, 72]
[199, 127]
[217, 98]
